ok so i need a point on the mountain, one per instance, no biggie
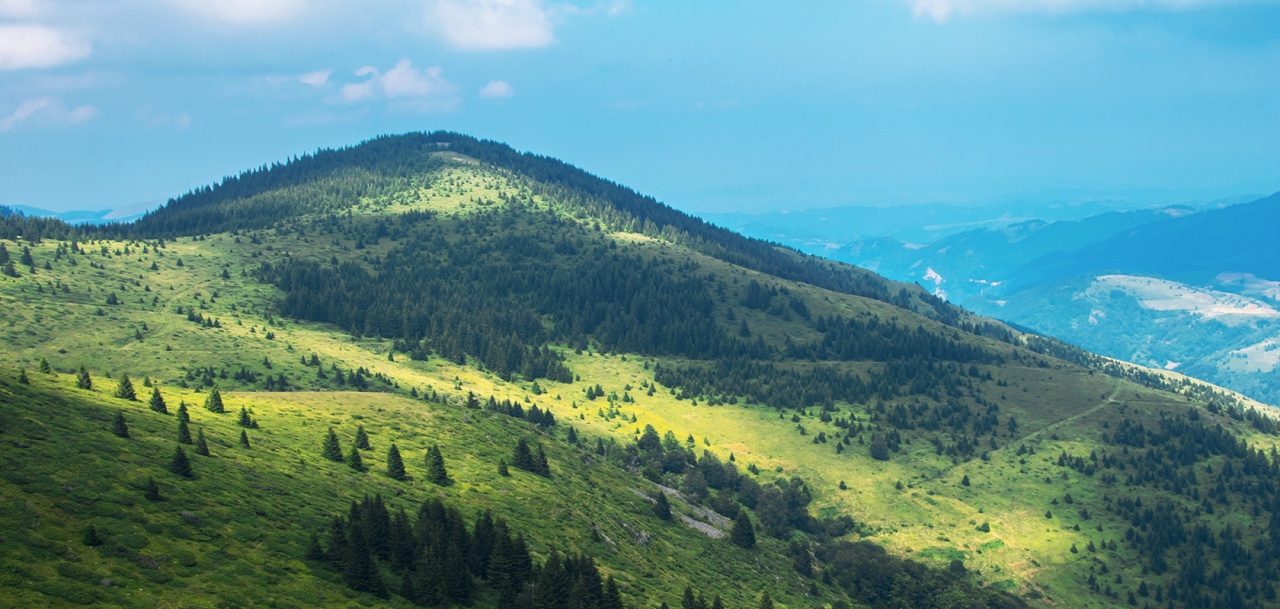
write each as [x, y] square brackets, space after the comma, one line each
[597, 401]
[126, 213]
[1195, 249]
[1170, 288]
[965, 265]
[826, 231]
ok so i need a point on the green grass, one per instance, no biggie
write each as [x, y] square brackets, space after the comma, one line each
[256, 507]
[237, 532]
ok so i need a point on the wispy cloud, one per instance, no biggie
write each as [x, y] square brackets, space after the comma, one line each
[46, 110]
[942, 11]
[244, 12]
[37, 46]
[490, 25]
[315, 79]
[423, 89]
[497, 88]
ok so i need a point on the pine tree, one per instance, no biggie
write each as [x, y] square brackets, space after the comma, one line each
[244, 438]
[743, 533]
[965, 480]
[213, 403]
[184, 430]
[436, 471]
[91, 537]
[395, 465]
[362, 438]
[45, 368]
[542, 467]
[202, 447]
[502, 468]
[180, 464]
[522, 457]
[124, 390]
[26, 259]
[358, 568]
[22, 377]
[82, 379]
[118, 425]
[765, 601]
[354, 459]
[157, 401]
[9, 269]
[246, 420]
[152, 490]
[662, 508]
[314, 550]
[332, 450]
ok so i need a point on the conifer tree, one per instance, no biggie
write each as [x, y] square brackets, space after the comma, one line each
[246, 420]
[202, 447]
[83, 381]
[358, 569]
[502, 468]
[184, 430]
[9, 269]
[152, 490]
[395, 465]
[314, 550]
[244, 438]
[522, 458]
[118, 425]
[180, 464]
[124, 389]
[26, 259]
[662, 508]
[354, 459]
[436, 471]
[765, 601]
[157, 401]
[213, 403]
[332, 449]
[542, 467]
[22, 377]
[45, 368]
[743, 533]
[362, 438]
[91, 537]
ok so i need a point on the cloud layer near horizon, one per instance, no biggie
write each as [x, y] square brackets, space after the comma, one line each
[943, 10]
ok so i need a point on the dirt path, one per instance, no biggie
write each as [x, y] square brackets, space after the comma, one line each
[168, 322]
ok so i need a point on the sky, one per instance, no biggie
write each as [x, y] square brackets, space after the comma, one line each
[712, 105]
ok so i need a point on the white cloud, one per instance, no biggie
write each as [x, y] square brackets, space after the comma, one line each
[497, 88]
[37, 46]
[942, 10]
[17, 8]
[315, 79]
[490, 25]
[46, 110]
[425, 88]
[244, 12]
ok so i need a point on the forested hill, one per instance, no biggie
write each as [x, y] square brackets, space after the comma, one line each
[601, 402]
[330, 181]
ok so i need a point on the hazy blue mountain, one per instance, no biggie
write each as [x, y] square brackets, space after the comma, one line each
[124, 213]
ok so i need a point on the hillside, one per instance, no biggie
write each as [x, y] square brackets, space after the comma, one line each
[887, 448]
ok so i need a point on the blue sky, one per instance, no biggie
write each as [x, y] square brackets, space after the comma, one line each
[710, 105]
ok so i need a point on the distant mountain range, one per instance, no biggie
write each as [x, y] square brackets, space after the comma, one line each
[1184, 288]
[124, 213]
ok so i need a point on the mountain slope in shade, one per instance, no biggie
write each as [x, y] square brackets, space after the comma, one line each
[1196, 249]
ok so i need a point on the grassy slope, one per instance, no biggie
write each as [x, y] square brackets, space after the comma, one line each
[255, 507]
[932, 517]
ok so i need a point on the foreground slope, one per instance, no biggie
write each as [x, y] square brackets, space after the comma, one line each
[852, 408]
